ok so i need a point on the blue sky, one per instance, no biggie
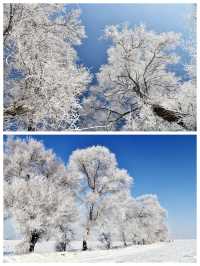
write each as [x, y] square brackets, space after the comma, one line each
[164, 165]
[157, 17]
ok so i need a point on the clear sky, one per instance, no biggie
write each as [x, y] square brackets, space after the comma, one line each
[157, 17]
[162, 165]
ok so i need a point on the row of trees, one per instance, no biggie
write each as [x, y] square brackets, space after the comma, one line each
[45, 88]
[89, 198]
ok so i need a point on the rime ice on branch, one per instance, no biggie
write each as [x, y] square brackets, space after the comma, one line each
[39, 42]
[38, 193]
[99, 178]
[136, 89]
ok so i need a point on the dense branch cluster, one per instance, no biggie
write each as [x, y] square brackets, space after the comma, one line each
[87, 199]
[39, 43]
[136, 89]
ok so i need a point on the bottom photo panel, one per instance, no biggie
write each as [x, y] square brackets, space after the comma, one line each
[100, 198]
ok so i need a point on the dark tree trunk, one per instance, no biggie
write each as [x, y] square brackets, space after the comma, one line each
[169, 115]
[61, 246]
[108, 245]
[124, 239]
[107, 240]
[34, 238]
[8, 29]
[30, 128]
[84, 245]
[15, 110]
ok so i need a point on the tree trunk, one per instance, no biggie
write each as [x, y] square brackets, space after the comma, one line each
[61, 246]
[124, 239]
[8, 29]
[108, 245]
[33, 240]
[169, 115]
[84, 245]
[30, 127]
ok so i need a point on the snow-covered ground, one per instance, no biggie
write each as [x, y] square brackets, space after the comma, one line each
[176, 251]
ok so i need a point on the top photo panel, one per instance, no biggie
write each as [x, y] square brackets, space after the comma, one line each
[99, 67]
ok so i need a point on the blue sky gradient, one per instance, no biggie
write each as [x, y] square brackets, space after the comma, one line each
[157, 17]
[162, 165]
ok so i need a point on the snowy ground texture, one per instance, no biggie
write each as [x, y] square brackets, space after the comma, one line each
[176, 251]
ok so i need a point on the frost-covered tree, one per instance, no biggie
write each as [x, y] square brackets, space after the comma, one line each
[65, 220]
[118, 220]
[151, 219]
[37, 193]
[114, 219]
[42, 81]
[124, 220]
[187, 96]
[136, 89]
[99, 178]
[132, 220]
[190, 43]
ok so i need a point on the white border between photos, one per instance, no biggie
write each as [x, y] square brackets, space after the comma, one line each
[99, 133]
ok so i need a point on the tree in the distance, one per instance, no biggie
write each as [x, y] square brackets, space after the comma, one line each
[152, 218]
[132, 220]
[114, 221]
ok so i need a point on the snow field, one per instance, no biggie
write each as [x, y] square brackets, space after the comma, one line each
[176, 251]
